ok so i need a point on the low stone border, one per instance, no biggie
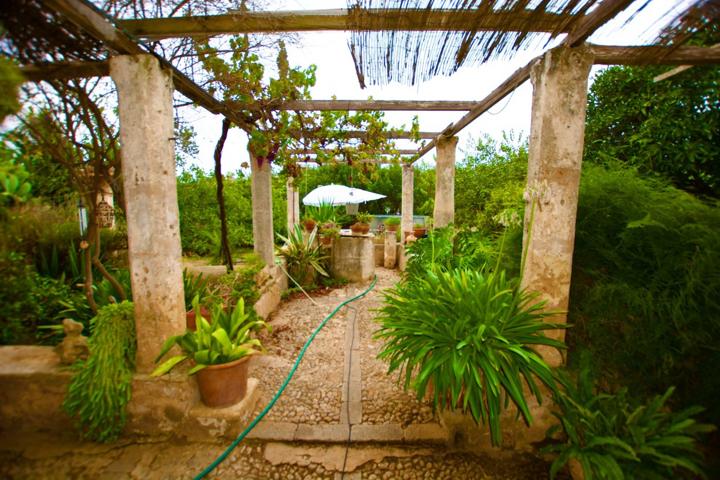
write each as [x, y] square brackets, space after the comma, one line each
[393, 433]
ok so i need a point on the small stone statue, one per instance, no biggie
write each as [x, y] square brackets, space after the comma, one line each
[75, 345]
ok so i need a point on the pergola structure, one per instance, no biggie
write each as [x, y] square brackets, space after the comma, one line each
[145, 81]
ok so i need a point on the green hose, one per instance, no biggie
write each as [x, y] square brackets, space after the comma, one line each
[275, 398]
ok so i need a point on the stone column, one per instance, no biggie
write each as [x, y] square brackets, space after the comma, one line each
[406, 225]
[262, 213]
[293, 204]
[148, 172]
[390, 251]
[444, 213]
[557, 132]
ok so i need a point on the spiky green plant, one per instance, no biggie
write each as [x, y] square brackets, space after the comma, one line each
[101, 386]
[613, 438]
[225, 338]
[471, 335]
[303, 256]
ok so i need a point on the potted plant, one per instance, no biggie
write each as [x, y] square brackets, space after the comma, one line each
[219, 349]
[419, 230]
[392, 224]
[328, 233]
[196, 286]
[309, 223]
[303, 256]
[362, 223]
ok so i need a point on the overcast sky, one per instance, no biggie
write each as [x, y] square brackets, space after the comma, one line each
[336, 76]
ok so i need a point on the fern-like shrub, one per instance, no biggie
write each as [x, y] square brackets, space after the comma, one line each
[471, 335]
[100, 389]
[614, 438]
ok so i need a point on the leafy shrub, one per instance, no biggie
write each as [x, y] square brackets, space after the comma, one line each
[101, 385]
[645, 286]
[240, 284]
[448, 248]
[471, 335]
[613, 438]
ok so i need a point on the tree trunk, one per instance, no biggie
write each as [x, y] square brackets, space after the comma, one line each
[224, 244]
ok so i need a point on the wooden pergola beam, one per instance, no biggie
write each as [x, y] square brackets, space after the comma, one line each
[307, 151]
[361, 134]
[90, 19]
[604, 55]
[384, 105]
[341, 19]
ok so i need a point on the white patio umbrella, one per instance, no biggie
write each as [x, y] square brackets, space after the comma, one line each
[339, 195]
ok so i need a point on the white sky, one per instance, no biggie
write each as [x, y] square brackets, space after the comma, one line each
[336, 76]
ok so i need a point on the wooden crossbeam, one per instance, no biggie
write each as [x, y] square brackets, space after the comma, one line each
[604, 55]
[384, 105]
[363, 134]
[90, 19]
[342, 19]
[307, 151]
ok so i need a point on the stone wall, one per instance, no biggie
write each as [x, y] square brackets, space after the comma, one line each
[353, 258]
[34, 384]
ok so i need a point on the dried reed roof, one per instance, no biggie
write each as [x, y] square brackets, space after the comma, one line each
[410, 57]
[34, 33]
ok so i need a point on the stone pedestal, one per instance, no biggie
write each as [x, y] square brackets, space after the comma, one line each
[353, 258]
[406, 223]
[556, 147]
[148, 167]
[262, 213]
[444, 212]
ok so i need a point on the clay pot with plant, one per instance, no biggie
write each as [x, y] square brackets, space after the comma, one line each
[419, 230]
[219, 349]
[392, 224]
[309, 223]
[328, 233]
[362, 223]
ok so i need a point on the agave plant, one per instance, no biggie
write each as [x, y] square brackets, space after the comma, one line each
[613, 438]
[223, 339]
[303, 256]
[471, 335]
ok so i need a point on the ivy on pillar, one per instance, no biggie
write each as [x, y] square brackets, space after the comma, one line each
[262, 213]
[407, 200]
[557, 133]
[148, 167]
[444, 212]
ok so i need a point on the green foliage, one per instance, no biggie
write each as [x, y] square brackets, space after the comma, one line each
[469, 334]
[10, 81]
[363, 218]
[645, 281]
[392, 221]
[614, 438]
[303, 256]
[670, 127]
[195, 285]
[224, 339]
[199, 221]
[101, 386]
[323, 213]
[239, 284]
[449, 248]
[489, 184]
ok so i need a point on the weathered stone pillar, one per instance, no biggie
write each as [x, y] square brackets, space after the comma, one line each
[390, 251]
[262, 213]
[293, 204]
[406, 225]
[557, 132]
[444, 213]
[148, 172]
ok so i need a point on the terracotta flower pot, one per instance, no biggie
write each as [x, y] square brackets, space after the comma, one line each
[309, 225]
[392, 228]
[419, 232]
[325, 240]
[190, 317]
[360, 228]
[223, 385]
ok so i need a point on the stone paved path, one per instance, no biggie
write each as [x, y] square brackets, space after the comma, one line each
[341, 417]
